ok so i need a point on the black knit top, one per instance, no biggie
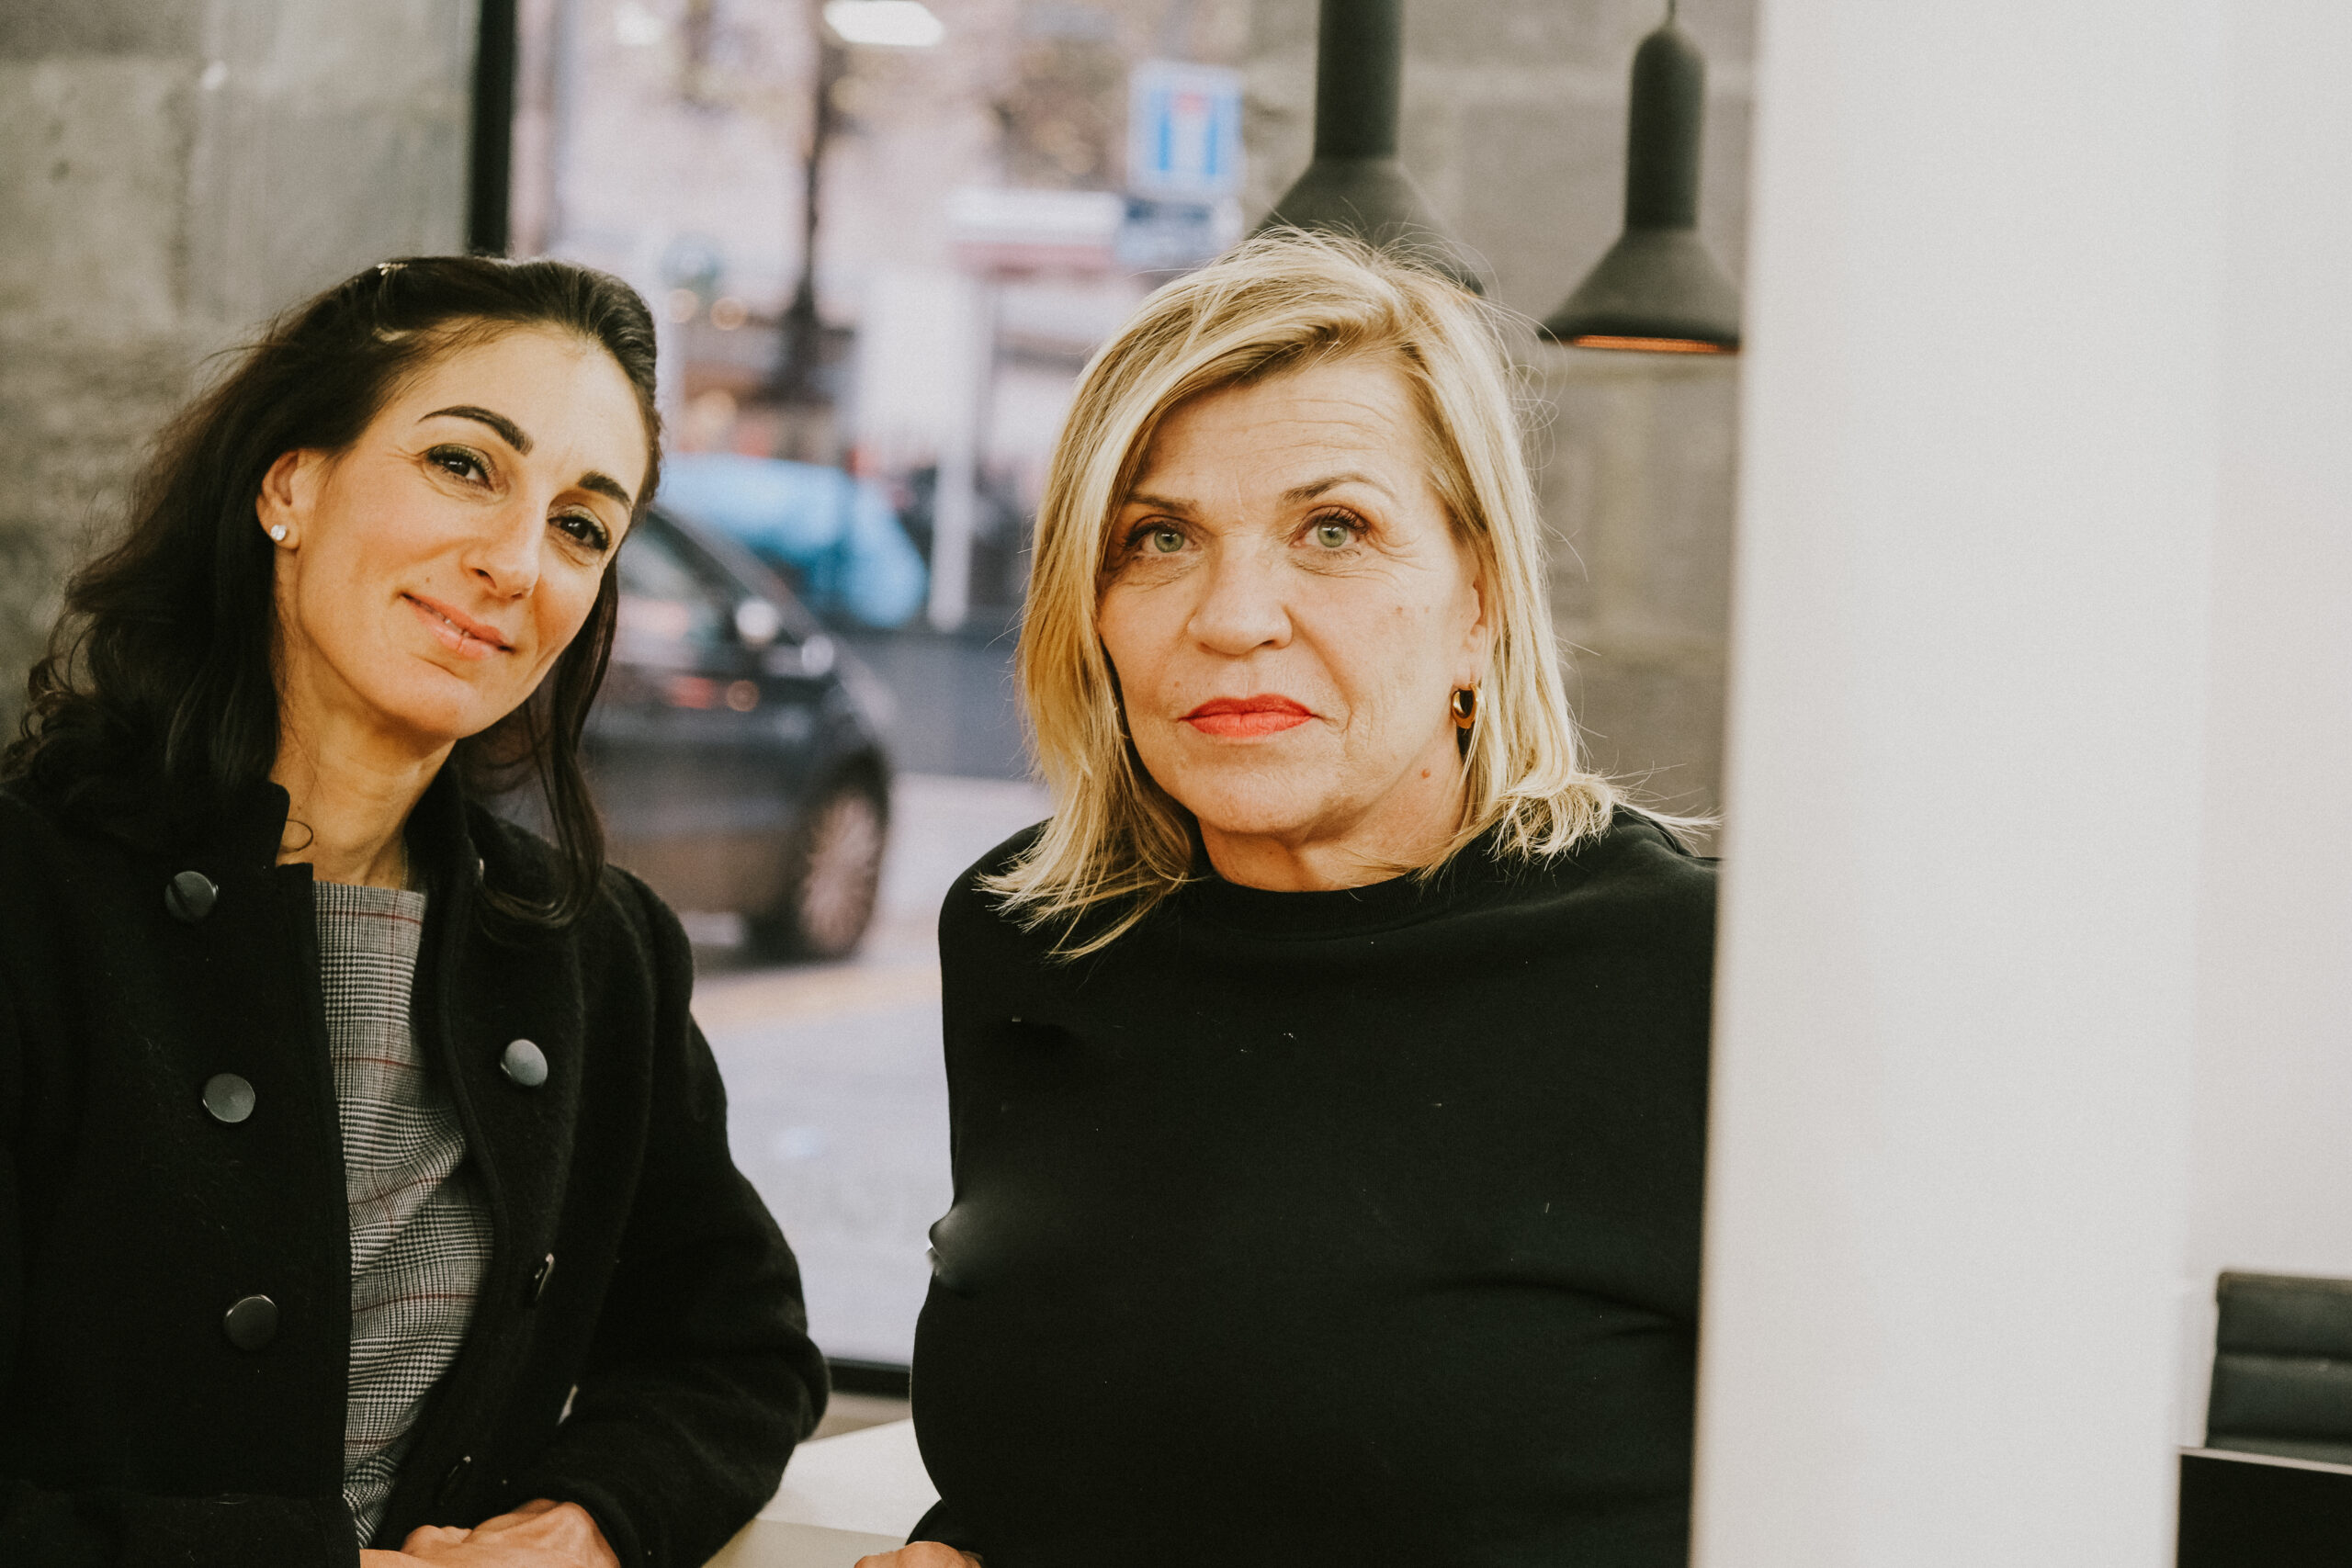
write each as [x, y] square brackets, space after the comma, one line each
[1355, 1227]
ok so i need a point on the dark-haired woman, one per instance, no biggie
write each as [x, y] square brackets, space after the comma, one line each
[363, 1178]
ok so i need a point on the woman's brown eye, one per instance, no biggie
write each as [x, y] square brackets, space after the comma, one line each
[584, 529]
[458, 461]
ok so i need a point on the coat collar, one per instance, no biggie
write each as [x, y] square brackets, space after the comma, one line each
[439, 837]
[245, 833]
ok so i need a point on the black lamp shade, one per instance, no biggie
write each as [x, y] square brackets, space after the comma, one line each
[1658, 288]
[1374, 199]
[1356, 184]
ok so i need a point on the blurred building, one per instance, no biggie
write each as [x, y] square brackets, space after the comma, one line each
[975, 245]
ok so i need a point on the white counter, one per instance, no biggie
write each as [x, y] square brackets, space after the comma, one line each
[842, 1498]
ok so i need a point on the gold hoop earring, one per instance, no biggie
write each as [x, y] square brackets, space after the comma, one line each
[1465, 706]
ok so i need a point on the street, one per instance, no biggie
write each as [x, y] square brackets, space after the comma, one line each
[837, 1100]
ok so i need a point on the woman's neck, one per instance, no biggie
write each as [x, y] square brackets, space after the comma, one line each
[1408, 827]
[351, 796]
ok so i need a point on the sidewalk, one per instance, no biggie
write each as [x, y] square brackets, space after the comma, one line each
[837, 1100]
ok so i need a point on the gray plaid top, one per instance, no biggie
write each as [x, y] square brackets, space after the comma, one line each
[420, 1232]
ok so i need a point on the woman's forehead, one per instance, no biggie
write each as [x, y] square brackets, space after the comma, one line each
[1361, 413]
[555, 389]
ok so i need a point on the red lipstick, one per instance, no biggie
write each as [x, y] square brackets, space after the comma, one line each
[1241, 718]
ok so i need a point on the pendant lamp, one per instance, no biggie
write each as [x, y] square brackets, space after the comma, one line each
[1658, 290]
[1356, 184]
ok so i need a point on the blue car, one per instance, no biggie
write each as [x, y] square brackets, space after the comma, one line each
[836, 535]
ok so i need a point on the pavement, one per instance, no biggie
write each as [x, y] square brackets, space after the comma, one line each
[837, 1100]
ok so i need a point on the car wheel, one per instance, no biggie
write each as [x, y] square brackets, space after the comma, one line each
[836, 868]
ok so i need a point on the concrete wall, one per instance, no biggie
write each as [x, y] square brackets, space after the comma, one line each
[171, 172]
[1514, 123]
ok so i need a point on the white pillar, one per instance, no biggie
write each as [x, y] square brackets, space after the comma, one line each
[2273, 1088]
[1946, 1189]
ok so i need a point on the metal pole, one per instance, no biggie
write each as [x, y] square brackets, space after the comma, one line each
[955, 499]
[491, 173]
[796, 371]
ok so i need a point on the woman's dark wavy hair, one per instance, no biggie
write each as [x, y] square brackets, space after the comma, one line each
[156, 702]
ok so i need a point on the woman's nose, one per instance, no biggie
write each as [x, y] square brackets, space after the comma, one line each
[1241, 604]
[505, 555]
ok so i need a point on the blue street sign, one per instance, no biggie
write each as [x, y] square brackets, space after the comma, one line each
[1184, 131]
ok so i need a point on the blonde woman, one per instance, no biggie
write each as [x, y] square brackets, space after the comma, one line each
[1329, 1072]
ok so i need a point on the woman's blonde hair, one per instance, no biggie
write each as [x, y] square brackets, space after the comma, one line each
[1118, 843]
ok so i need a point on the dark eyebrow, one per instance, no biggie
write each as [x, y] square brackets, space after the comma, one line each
[1161, 504]
[1310, 491]
[506, 428]
[603, 486]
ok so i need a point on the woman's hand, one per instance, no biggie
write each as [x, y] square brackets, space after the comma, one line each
[539, 1534]
[921, 1554]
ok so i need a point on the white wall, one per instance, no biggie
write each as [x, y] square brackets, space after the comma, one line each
[2037, 986]
[2272, 1173]
[1955, 1011]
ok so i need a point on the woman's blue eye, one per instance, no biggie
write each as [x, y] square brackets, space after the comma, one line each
[1166, 541]
[1334, 535]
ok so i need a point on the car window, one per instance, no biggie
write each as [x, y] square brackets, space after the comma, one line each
[672, 611]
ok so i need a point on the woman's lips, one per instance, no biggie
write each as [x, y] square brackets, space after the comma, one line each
[459, 632]
[1242, 716]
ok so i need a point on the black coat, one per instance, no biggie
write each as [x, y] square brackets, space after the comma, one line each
[133, 1432]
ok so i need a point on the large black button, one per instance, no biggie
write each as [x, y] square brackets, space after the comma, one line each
[523, 1064]
[190, 896]
[540, 1277]
[453, 1478]
[251, 1323]
[229, 1098]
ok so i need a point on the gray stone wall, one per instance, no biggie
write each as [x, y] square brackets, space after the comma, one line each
[1514, 123]
[172, 173]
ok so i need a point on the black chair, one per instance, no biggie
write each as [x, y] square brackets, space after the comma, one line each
[2282, 1368]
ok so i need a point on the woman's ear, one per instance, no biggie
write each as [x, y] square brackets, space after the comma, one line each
[287, 491]
[1477, 637]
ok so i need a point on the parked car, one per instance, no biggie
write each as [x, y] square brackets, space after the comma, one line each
[736, 749]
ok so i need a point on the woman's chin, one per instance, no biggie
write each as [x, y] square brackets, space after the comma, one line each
[1282, 816]
[430, 719]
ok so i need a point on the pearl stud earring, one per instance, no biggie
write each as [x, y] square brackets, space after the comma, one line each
[279, 533]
